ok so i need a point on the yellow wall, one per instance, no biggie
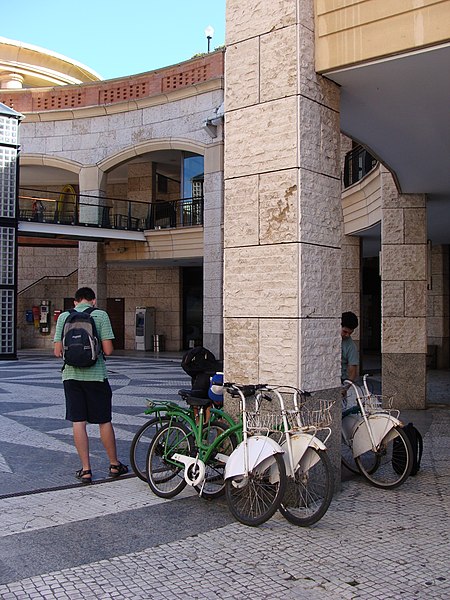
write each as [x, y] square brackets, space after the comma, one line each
[354, 31]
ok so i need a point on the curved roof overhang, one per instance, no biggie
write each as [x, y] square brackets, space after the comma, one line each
[39, 67]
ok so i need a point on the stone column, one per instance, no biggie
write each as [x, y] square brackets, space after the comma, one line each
[403, 280]
[351, 278]
[438, 306]
[91, 259]
[213, 250]
[283, 214]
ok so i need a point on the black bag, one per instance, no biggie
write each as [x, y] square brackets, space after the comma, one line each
[81, 346]
[199, 360]
[398, 453]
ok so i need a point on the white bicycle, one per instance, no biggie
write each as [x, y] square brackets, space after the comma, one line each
[256, 483]
[373, 441]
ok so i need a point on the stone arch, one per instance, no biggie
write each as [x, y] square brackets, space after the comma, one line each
[150, 146]
[58, 173]
[43, 160]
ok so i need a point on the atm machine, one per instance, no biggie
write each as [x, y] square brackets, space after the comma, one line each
[145, 327]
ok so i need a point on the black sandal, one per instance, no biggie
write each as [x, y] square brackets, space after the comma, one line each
[81, 475]
[117, 470]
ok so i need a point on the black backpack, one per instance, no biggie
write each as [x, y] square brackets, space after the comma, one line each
[398, 453]
[81, 345]
[199, 360]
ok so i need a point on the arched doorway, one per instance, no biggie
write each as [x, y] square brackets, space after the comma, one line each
[66, 205]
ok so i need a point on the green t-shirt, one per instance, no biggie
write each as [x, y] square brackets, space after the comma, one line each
[349, 356]
[98, 371]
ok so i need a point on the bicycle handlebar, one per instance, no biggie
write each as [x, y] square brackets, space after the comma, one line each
[235, 389]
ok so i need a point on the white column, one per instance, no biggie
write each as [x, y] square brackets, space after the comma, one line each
[91, 259]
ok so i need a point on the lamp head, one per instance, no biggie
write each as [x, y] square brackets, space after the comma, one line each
[209, 31]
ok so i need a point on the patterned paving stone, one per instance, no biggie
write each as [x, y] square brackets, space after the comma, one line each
[372, 544]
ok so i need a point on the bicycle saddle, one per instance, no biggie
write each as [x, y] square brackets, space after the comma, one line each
[194, 397]
[193, 401]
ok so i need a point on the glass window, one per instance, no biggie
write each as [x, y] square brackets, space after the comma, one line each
[192, 172]
[193, 176]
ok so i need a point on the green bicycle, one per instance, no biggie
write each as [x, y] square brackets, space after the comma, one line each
[158, 413]
[188, 449]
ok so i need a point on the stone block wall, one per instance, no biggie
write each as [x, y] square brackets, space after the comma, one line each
[153, 287]
[404, 296]
[54, 289]
[35, 262]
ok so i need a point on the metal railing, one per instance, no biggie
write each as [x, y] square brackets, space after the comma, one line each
[109, 213]
[358, 163]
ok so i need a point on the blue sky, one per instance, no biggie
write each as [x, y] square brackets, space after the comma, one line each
[116, 38]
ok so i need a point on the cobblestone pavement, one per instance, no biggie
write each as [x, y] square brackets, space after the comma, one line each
[117, 540]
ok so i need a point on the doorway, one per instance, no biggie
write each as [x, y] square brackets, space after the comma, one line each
[116, 310]
[192, 278]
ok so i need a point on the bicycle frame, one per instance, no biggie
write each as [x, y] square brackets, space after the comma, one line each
[204, 450]
[367, 431]
[297, 443]
[162, 407]
[253, 452]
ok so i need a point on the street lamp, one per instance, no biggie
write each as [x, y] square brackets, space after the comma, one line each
[209, 32]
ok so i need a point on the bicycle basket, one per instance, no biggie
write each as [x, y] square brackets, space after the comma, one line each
[377, 403]
[264, 422]
[315, 413]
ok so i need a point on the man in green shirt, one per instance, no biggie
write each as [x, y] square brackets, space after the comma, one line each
[349, 351]
[87, 390]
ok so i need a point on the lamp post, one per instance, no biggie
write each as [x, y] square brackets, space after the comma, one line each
[209, 32]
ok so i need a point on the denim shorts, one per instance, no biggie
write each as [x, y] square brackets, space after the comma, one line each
[88, 401]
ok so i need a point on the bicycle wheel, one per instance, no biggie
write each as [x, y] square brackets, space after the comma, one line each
[252, 500]
[140, 444]
[347, 457]
[165, 476]
[309, 493]
[369, 459]
[394, 457]
[214, 484]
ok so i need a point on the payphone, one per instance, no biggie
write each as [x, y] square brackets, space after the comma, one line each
[145, 327]
[44, 317]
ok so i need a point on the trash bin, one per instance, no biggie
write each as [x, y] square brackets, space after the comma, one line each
[158, 342]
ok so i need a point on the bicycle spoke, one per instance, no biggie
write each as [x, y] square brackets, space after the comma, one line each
[254, 499]
[165, 477]
[309, 493]
[394, 461]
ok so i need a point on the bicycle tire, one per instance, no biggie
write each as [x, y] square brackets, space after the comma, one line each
[386, 476]
[164, 477]
[370, 459]
[347, 459]
[140, 444]
[214, 483]
[308, 494]
[254, 499]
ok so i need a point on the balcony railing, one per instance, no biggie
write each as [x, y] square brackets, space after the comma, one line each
[109, 213]
[358, 163]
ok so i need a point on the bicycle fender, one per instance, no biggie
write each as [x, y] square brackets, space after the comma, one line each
[300, 443]
[260, 450]
[349, 425]
[380, 424]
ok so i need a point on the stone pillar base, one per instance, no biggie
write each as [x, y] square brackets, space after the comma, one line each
[404, 377]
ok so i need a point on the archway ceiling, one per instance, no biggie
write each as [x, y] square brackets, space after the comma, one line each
[399, 109]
